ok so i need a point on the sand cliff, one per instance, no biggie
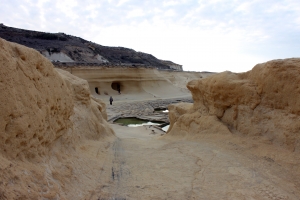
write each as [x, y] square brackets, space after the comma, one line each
[47, 120]
[261, 103]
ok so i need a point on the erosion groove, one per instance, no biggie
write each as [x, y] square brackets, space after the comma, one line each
[119, 172]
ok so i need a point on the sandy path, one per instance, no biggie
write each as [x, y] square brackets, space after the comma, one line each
[145, 166]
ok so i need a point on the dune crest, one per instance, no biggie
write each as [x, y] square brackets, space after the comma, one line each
[46, 114]
[261, 102]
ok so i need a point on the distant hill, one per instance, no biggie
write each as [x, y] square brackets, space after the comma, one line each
[67, 50]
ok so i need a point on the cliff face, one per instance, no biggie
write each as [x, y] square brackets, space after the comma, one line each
[46, 115]
[260, 103]
[69, 50]
[135, 83]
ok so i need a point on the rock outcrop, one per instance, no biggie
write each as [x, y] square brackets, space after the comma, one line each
[36, 104]
[261, 103]
[45, 115]
[172, 65]
[135, 83]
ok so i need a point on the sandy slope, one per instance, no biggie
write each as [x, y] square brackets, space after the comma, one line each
[148, 166]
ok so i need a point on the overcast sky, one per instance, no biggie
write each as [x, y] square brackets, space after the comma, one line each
[203, 35]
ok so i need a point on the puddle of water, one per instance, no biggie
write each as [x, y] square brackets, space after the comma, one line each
[165, 128]
[135, 122]
[164, 110]
[148, 123]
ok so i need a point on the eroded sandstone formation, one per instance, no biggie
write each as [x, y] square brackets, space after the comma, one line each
[45, 115]
[35, 103]
[135, 83]
[263, 102]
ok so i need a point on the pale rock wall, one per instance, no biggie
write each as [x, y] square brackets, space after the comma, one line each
[136, 83]
[101, 58]
[261, 103]
[45, 116]
[172, 65]
[61, 57]
[176, 67]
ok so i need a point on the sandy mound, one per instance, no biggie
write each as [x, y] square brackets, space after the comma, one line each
[45, 116]
[261, 102]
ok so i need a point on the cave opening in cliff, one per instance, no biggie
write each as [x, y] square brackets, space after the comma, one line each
[116, 86]
[96, 90]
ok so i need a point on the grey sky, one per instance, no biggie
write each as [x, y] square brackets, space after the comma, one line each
[203, 35]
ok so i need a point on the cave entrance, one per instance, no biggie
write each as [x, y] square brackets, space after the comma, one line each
[116, 86]
[96, 90]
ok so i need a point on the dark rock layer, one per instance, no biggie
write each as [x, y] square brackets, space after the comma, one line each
[81, 51]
